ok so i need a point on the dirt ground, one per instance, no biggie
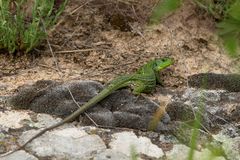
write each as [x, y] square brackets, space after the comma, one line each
[100, 39]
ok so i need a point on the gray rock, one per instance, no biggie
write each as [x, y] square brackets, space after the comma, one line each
[127, 142]
[216, 107]
[67, 143]
[167, 139]
[120, 109]
[183, 132]
[231, 146]
[19, 155]
[2, 141]
[110, 154]
[45, 120]
[179, 111]
[206, 95]
[52, 97]
[181, 152]
[229, 82]
[13, 119]
[219, 110]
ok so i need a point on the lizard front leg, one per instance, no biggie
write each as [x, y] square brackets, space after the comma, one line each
[158, 79]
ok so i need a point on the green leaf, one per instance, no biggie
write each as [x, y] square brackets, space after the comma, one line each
[230, 42]
[228, 26]
[164, 7]
[234, 10]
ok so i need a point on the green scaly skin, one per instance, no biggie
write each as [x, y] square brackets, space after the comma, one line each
[144, 80]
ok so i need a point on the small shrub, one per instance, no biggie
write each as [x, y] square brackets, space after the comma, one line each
[23, 22]
[228, 13]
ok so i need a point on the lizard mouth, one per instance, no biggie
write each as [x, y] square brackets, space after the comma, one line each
[164, 63]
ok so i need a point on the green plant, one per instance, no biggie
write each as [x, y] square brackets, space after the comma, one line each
[133, 153]
[214, 147]
[163, 8]
[227, 12]
[23, 22]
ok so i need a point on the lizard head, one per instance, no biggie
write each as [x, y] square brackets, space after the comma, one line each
[160, 64]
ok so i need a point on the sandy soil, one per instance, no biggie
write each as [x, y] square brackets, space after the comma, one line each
[99, 40]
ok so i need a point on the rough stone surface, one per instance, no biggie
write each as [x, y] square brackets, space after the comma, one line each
[52, 97]
[124, 142]
[216, 107]
[231, 146]
[13, 119]
[229, 82]
[219, 113]
[181, 152]
[120, 109]
[68, 143]
[110, 154]
[19, 155]
[45, 120]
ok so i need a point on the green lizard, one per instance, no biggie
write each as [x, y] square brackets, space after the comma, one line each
[144, 80]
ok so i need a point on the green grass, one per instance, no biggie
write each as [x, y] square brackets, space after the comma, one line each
[133, 153]
[21, 32]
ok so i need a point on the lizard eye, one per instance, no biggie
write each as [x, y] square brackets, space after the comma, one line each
[164, 59]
